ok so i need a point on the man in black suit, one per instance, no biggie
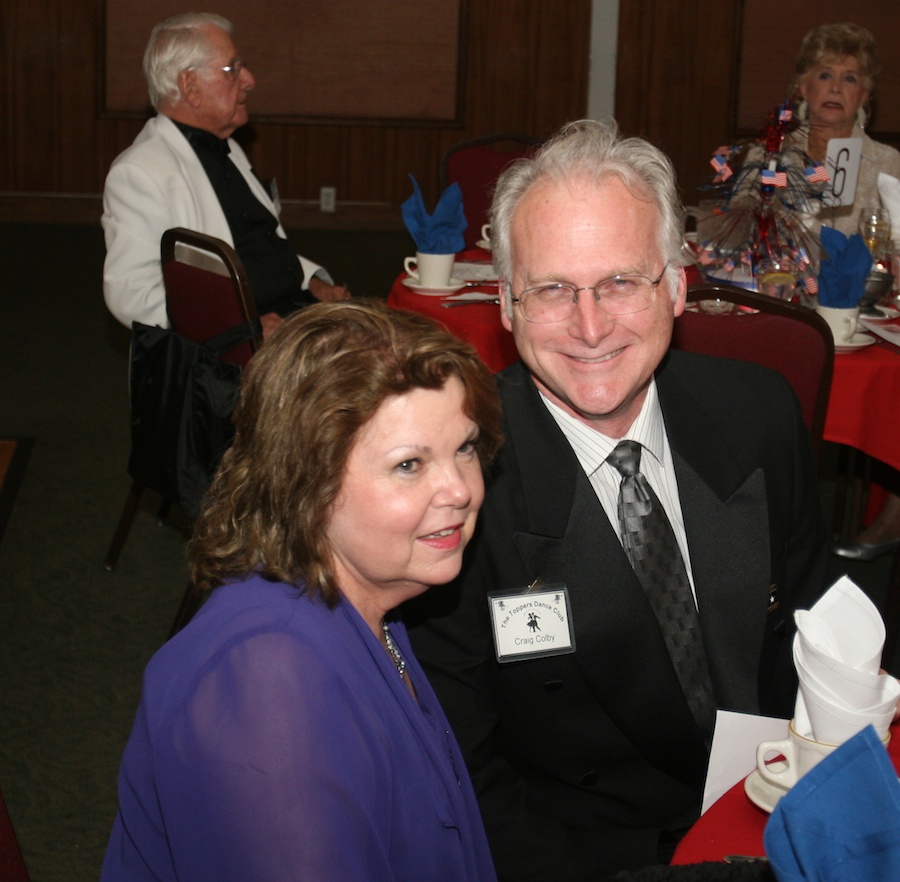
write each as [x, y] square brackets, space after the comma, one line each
[547, 653]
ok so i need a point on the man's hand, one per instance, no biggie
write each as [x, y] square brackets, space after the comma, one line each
[269, 322]
[321, 290]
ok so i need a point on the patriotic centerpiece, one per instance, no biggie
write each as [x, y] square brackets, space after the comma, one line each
[757, 223]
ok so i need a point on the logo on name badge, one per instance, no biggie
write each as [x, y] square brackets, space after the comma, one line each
[531, 622]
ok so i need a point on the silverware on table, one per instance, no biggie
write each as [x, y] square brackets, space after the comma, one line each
[448, 303]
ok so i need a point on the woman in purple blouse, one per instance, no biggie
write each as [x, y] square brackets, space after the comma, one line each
[288, 732]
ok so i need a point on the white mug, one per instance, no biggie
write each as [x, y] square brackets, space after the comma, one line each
[486, 233]
[430, 270]
[843, 322]
[800, 755]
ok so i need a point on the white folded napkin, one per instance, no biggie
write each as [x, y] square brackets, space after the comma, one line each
[889, 191]
[837, 653]
[473, 271]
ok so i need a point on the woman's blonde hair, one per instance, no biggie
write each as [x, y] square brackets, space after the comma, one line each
[841, 40]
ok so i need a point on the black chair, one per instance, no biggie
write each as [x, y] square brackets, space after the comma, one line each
[207, 293]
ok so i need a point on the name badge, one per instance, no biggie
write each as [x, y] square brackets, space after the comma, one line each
[531, 622]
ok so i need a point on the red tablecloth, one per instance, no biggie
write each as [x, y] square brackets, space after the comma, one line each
[864, 406]
[476, 323]
[734, 825]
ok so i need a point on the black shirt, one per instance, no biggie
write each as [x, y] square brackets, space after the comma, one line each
[276, 277]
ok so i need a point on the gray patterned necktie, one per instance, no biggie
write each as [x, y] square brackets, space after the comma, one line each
[652, 548]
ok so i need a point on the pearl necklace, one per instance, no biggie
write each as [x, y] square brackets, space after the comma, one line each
[399, 661]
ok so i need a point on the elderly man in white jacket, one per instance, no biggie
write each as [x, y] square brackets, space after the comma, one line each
[198, 83]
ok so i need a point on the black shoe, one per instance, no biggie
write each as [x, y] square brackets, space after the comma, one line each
[865, 550]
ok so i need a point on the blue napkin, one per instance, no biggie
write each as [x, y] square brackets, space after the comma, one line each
[840, 821]
[441, 232]
[842, 278]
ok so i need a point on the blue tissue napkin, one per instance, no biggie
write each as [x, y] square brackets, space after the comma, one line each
[441, 232]
[842, 278]
[840, 821]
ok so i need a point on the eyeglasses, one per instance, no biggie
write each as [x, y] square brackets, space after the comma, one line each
[622, 294]
[232, 69]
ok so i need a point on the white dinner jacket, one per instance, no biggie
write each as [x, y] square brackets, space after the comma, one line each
[156, 184]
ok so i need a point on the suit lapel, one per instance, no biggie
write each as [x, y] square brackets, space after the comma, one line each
[619, 647]
[242, 163]
[726, 519]
[208, 206]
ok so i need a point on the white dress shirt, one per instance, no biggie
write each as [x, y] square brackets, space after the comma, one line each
[592, 449]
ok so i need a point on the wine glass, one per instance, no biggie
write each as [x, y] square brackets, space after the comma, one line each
[776, 276]
[875, 229]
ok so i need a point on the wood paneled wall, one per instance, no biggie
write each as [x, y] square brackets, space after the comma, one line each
[678, 71]
[675, 79]
[527, 66]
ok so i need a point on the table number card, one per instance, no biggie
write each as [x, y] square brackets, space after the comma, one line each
[842, 161]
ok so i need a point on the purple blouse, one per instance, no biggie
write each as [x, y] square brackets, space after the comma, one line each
[275, 740]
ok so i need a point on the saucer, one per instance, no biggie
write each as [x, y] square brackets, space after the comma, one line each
[888, 314]
[860, 341]
[484, 244]
[452, 288]
[761, 793]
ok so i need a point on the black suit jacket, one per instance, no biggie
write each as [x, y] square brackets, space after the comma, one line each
[585, 762]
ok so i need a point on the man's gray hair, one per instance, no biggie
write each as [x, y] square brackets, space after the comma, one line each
[176, 44]
[594, 150]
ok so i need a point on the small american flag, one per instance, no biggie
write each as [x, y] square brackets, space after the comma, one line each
[718, 162]
[817, 174]
[767, 177]
[811, 285]
[786, 114]
[781, 179]
[723, 175]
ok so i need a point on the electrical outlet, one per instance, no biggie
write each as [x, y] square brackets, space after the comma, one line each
[327, 199]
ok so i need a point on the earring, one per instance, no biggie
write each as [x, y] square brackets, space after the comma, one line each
[861, 118]
[802, 110]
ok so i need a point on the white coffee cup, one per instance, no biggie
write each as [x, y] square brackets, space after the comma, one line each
[842, 321]
[800, 755]
[486, 233]
[430, 270]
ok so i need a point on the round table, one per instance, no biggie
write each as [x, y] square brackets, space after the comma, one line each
[476, 323]
[734, 825]
[862, 407]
